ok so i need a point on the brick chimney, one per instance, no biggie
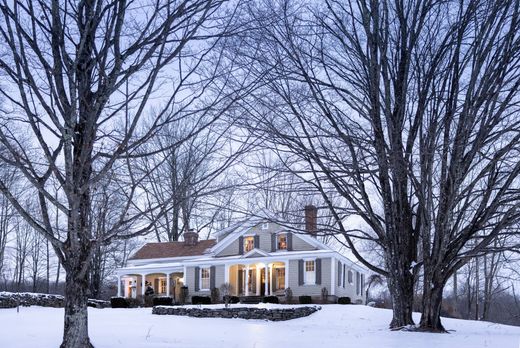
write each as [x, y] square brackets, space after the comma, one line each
[191, 237]
[311, 219]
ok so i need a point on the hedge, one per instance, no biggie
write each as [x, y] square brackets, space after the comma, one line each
[118, 302]
[344, 300]
[232, 299]
[200, 300]
[163, 301]
[304, 299]
[271, 299]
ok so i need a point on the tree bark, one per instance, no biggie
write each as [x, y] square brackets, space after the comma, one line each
[431, 309]
[401, 291]
[75, 332]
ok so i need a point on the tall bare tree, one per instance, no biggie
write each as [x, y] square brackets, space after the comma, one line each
[80, 78]
[409, 111]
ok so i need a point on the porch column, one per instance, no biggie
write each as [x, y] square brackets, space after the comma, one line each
[266, 290]
[167, 284]
[118, 285]
[247, 280]
[258, 282]
[226, 274]
[286, 274]
[333, 276]
[143, 286]
[271, 277]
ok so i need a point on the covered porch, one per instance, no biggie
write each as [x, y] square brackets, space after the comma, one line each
[258, 278]
[152, 282]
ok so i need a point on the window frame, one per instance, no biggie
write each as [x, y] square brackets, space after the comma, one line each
[162, 285]
[309, 277]
[278, 236]
[246, 239]
[265, 226]
[202, 279]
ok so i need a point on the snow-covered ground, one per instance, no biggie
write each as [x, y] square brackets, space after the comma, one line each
[333, 326]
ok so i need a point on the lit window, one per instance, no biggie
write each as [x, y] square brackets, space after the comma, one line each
[350, 277]
[162, 285]
[280, 278]
[249, 243]
[310, 274]
[204, 278]
[282, 242]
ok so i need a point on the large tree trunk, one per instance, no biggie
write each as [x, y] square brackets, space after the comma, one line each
[400, 285]
[431, 308]
[75, 333]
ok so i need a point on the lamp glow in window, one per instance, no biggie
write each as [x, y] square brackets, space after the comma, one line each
[282, 242]
[249, 243]
[204, 278]
[310, 273]
[162, 286]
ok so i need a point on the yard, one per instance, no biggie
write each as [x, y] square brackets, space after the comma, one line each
[333, 326]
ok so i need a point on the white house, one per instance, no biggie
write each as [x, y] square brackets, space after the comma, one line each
[257, 257]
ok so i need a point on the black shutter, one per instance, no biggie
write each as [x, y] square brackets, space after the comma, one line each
[289, 241]
[241, 245]
[339, 273]
[273, 241]
[212, 277]
[344, 274]
[257, 241]
[273, 278]
[300, 272]
[318, 271]
[197, 273]
[156, 285]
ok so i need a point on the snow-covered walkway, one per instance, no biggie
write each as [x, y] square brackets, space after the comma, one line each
[333, 326]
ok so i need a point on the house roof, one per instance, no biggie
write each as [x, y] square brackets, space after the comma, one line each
[172, 249]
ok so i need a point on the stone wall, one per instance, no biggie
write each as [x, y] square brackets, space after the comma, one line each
[239, 312]
[14, 299]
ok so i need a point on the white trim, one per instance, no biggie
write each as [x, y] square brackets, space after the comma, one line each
[333, 276]
[255, 250]
[200, 277]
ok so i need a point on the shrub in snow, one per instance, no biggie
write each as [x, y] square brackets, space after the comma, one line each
[200, 300]
[226, 289]
[324, 295]
[288, 295]
[304, 299]
[231, 299]
[118, 302]
[183, 295]
[215, 295]
[163, 301]
[271, 299]
[135, 302]
[344, 300]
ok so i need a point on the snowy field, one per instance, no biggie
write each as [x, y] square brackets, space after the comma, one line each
[333, 326]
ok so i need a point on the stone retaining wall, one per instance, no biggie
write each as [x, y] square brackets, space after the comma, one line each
[14, 299]
[238, 312]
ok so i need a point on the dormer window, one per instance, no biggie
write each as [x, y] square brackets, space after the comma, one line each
[249, 243]
[265, 226]
[282, 241]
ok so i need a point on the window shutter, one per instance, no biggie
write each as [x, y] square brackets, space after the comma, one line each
[197, 276]
[156, 285]
[241, 245]
[289, 241]
[273, 241]
[339, 273]
[300, 272]
[273, 278]
[344, 274]
[257, 241]
[212, 277]
[318, 271]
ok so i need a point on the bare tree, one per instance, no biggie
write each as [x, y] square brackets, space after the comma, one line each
[409, 112]
[80, 78]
